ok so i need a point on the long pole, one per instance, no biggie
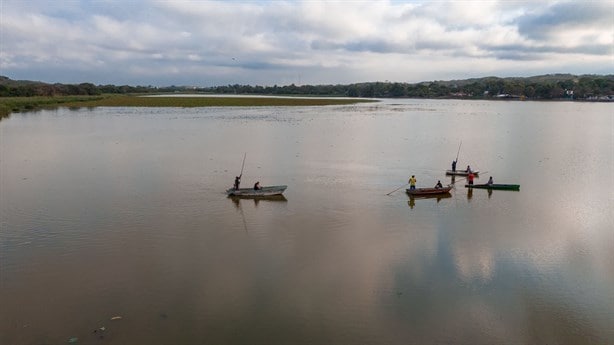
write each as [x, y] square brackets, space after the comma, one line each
[459, 146]
[398, 189]
[243, 164]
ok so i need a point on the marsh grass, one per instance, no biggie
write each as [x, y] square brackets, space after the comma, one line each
[189, 101]
[10, 105]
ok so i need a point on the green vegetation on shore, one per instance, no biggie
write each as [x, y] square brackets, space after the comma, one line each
[10, 105]
[544, 87]
[213, 101]
[17, 104]
[25, 95]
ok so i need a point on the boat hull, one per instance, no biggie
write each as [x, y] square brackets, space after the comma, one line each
[428, 191]
[250, 192]
[257, 199]
[495, 186]
[461, 173]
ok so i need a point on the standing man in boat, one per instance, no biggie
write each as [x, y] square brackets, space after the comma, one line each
[454, 165]
[237, 182]
[412, 182]
[470, 178]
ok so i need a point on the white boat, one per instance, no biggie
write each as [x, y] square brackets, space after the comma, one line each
[251, 192]
[461, 172]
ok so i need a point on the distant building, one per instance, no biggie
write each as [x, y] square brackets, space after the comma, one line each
[460, 94]
[605, 98]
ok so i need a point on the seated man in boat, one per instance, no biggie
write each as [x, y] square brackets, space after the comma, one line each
[257, 186]
[438, 185]
[237, 182]
[468, 169]
[490, 181]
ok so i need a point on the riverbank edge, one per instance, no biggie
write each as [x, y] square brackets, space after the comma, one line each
[9, 105]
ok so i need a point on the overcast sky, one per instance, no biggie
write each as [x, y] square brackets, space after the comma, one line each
[208, 43]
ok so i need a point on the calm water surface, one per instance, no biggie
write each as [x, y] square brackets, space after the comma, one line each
[120, 212]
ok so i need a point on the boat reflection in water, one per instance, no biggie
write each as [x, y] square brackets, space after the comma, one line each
[236, 200]
[257, 199]
[412, 198]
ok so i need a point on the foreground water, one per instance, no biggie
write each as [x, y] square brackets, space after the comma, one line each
[120, 212]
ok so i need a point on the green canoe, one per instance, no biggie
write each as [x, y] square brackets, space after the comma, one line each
[495, 186]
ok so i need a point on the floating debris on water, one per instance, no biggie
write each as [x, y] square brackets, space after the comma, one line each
[73, 340]
[116, 318]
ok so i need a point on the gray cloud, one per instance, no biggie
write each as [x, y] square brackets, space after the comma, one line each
[274, 42]
[367, 45]
[540, 23]
[593, 49]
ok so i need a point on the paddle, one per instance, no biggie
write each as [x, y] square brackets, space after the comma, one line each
[238, 178]
[459, 146]
[398, 189]
[243, 164]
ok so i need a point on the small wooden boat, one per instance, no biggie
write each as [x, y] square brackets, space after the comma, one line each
[461, 172]
[251, 192]
[428, 191]
[495, 186]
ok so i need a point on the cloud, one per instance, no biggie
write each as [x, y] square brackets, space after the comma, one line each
[218, 42]
[564, 18]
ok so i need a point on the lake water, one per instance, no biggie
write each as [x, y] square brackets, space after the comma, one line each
[121, 213]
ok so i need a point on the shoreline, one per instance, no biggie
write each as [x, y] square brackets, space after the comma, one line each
[9, 105]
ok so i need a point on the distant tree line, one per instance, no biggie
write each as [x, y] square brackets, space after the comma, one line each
[543, 87]
[556, 86]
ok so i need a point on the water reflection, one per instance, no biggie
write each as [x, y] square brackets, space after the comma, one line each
[342, 263]
[236, 200]
[461, 181]
[271, 198]
[469, 193]
[412, 199]
[473, 261]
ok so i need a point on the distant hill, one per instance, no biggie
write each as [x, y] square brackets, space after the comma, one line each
[549, 86]
[546, 78]
[17, 83]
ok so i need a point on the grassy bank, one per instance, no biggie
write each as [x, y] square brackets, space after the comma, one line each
[194, 101]
[10, 105]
